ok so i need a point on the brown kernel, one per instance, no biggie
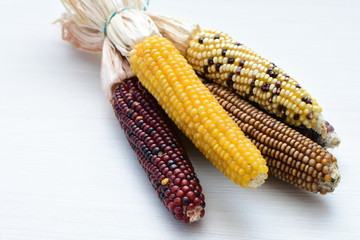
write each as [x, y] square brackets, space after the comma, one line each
[324, 162]
[305, 159]
[326, 170]
[296, 154]
[312, 162]
[309, 178]
[312, 155]
[302, 166]
[314, 187]
[327, 178]
[318, 167]
[303, 176]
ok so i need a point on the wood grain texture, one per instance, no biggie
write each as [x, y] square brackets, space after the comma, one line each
[67, 172]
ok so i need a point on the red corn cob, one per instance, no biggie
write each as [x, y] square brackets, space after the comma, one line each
[159, 150]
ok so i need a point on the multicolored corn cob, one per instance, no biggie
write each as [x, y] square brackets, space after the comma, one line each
[159, 150]
[165, 73]
[223, 60]
[290, 156]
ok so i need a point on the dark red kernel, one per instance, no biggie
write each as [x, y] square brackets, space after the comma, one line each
[206, 69]
[171, 206]
[281, 109]
[174, 189]
[190, 207]
[229, 82]
[178, 210]
[211, 61]
[252, 84]
[230, 60]
[310, 115]
[177, 201]
[179, 216]
[180, 193]
[185, 189]
[177, 180]
[217, 67]
[191, 195]
[184, 182]
[197, 201]
[271, 99]
[265, 87]
[181, 175]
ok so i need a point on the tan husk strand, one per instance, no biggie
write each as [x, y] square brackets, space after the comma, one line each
[290, 156]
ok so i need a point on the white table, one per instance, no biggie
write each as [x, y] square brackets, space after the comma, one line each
[67, 172]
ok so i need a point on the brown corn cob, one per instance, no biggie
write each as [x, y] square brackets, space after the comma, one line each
[159, 150]
[290, 156]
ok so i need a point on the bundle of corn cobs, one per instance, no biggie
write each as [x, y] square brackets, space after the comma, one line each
[245, 114]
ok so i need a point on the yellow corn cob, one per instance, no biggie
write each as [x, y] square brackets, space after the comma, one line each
[290, 156]
[171, 80]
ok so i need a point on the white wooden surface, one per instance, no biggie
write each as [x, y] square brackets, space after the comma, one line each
[66, 171]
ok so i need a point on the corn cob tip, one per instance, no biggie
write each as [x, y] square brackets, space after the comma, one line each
[329, 186]
[195, 214]
[332, 140]
[328, 136]
[257, 182]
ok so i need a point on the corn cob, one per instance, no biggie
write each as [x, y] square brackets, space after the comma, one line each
[159, 151]
[165, 73]
[290, 156]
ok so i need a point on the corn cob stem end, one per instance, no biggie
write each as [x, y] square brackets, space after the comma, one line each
[332, 140]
